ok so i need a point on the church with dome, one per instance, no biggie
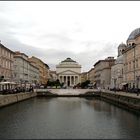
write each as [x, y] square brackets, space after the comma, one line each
[132, 60]
[126, 71]
[69, 72]
[117, 69]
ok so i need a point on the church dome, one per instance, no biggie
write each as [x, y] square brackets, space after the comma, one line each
[121, 49]
[68, 60]
[122, 45]
[69, 63]
[119, 60]
[134, 34]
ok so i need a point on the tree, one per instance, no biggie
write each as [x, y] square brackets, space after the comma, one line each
[1, 78]
[85, 84]
[57, 83]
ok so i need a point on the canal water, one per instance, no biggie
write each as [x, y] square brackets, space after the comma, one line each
[67, 118]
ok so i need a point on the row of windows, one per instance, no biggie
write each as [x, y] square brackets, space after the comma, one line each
[5, 73]
[131, 65]
[6, 53]
[6, 63]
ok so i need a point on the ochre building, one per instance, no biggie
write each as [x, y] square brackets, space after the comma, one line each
[43, 69]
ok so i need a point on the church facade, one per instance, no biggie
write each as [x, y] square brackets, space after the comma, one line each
[69, 72]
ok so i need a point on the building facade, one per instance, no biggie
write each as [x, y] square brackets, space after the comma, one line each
[6, 63]
[43, 69]
[132, 60]
[117, 69]
[69, 72]
[84, 76]
[103, 72]
[24, 71]
[91, 75]
[53, 76]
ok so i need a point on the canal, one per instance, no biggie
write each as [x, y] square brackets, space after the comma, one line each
[70, 118]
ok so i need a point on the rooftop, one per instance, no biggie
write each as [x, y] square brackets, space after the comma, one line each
[134, 34]
[68, 60]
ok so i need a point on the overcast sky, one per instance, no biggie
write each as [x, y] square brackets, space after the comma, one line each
[86, 31]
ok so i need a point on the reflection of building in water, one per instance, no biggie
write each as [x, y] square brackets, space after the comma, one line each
[69, 103]
[69, 72]
[99, 105]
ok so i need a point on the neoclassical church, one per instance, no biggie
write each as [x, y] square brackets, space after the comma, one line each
[69, 72]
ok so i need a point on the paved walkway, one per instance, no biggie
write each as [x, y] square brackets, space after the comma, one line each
[66, 91]
[123, 93]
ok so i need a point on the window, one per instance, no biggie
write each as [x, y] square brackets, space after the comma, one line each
[136, 63]
[133, 64]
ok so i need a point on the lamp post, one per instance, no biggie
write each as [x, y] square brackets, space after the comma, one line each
[137, 77]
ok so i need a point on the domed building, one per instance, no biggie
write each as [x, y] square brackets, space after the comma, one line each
[132, 60]
[117, 68]
[133, 35]
[69, 72]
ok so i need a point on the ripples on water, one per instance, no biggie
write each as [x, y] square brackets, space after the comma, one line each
[67, 118]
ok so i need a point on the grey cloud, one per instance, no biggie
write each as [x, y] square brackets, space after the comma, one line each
[58, 37]
[52, 56]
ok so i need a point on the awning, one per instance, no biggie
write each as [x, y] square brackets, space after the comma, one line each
[124, 84]
[4, 83]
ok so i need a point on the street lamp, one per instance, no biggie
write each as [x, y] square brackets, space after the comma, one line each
[115, 79]
[137, 77]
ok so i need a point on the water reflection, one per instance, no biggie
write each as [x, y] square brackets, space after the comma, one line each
[67, 118]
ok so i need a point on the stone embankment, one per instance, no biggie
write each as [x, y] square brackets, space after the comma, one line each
[126, 100]
[14, 98]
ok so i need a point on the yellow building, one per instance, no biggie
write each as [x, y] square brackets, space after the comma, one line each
[43, 69]
[84, 76]
[132, 60]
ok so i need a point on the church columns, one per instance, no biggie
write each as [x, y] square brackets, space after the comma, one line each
[77, 79]
[74, 79]
[69, 80]
[62, 79]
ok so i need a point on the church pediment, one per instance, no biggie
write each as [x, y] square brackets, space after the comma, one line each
[68, 72]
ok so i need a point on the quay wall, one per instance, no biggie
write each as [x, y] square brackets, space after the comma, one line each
[131, 103]
[14, 98]
[122, 100]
